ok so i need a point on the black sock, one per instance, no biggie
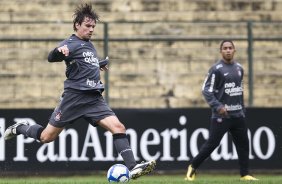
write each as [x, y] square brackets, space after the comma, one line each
[33, 131]
[122, 146]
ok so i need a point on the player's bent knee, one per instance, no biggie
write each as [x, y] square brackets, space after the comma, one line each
[120, 128]
[117, 128]
[47, 138]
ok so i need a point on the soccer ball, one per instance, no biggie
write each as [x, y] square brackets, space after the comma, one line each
[118, 173]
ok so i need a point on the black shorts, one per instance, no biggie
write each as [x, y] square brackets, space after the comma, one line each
[74, 105]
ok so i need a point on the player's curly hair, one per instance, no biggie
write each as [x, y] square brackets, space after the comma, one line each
[82, 11]
[223, 41]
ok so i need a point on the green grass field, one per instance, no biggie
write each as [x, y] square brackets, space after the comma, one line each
[153, 179]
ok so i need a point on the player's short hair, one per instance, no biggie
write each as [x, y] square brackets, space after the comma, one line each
[82, 11]
[223, 41]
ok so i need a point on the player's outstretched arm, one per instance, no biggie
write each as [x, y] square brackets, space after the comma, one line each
[58, 54]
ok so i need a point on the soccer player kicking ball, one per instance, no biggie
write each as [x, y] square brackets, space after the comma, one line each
[223, 91]
[82, 96]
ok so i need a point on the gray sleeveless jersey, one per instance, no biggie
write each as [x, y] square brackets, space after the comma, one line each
[223, 86]
[82, 65]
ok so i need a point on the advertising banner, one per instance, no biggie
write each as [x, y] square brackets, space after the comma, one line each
[170, 136]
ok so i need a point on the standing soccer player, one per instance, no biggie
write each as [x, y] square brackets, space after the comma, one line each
[223, 91]
[82, 96]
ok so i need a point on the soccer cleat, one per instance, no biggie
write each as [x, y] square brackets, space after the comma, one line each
[11, 131]
[248, 178]
[191, 173]
[142, 169]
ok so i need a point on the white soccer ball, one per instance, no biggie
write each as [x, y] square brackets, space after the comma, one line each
[118, 173]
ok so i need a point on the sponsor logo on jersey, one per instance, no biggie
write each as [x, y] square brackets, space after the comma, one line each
[233, 107]
[232, 90]
[91, 83]
[89, 57]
